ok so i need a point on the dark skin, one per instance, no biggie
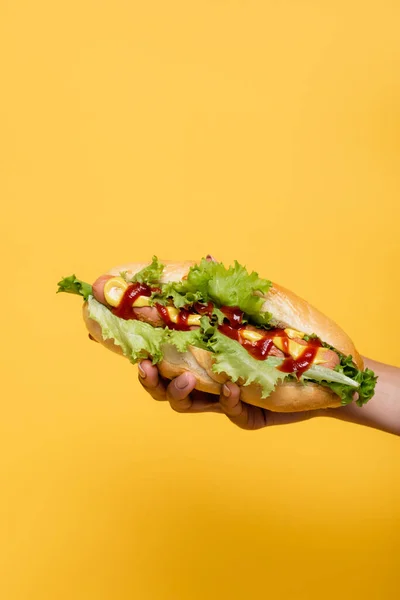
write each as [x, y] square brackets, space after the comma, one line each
[381, 412]
[183, 398]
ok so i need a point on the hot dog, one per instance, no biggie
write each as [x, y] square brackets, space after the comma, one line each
[225, 324]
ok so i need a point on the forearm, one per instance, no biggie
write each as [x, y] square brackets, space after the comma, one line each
[383, 410]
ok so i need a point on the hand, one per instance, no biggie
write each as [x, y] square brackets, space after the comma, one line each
[183, 398]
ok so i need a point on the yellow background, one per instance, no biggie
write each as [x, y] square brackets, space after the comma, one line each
[263, 131]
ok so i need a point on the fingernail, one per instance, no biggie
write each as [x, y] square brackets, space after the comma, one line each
[142, 372]
[226, 391]
[182, 382]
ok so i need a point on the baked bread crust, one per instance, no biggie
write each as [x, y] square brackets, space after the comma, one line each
[288, 310]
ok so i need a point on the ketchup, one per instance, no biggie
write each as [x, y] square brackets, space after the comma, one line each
[234, 315]
[304, 361]
[203, 309]
[124, 310]
[231, 327]
[228, 330]
[261, 349]
[181, 324]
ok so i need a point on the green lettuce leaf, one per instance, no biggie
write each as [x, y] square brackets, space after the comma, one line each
[72, 285]
[209, 330]
[344, 392]
[228, 287]
[231, 358]
[182, 339]
[366, 380]
[211, 281]
[218, 316]
[319, 373]
[138, 340]
[234, 360]
[224, 287]
[179, 299]
[150, 274]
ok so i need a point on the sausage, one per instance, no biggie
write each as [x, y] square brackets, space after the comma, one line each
[276, 352]
[331, 359]
[147, 314]
[98, 288]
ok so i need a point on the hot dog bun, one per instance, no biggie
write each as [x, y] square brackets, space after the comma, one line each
[287, 309]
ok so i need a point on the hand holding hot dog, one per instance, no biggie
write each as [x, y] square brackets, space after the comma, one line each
[184, 398]
[225, 325]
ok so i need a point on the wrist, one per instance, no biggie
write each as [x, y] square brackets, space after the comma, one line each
[383, 410]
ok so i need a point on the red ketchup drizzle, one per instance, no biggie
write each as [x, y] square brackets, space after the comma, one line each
[259, 349]
[203, 309]
[234, 316]
[181, 324]
[304, 361]
[124, 310]
[229, 331]
[262, 348]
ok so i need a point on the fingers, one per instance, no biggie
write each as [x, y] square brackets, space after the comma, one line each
[232, 406]
[150, 380]
[230, 400]
[241, 414]
[202, 402]
[178, 392]
[252, 417]
[183, 398]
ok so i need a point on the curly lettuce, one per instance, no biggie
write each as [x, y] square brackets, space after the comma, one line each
[212, 281]
[150, 274]
[206, 282]
[366, 381]
[183, 339]
[180, 299]
[72, 285]
[137, 340]
[234, 360]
